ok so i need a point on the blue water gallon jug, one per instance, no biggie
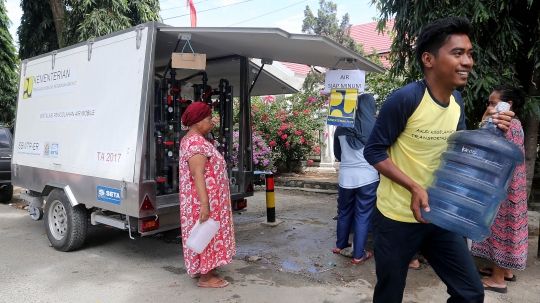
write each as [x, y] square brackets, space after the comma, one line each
[472, 180]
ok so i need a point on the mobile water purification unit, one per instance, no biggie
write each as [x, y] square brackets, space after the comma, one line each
[98, 123]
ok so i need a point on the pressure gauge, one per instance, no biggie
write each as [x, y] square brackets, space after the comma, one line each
[170, 153]
[170, 109]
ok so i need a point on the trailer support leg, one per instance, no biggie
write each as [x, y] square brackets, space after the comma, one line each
[129, 227]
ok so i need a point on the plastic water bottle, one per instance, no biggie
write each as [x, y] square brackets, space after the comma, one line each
[472, 180]
[201, 234]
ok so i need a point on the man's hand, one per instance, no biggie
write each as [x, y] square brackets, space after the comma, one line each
[502, 119]
[419, 199]
[205, 212]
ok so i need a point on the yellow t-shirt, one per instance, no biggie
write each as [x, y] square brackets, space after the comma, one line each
[416, 150]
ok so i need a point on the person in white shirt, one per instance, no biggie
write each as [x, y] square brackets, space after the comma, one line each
[358, 181]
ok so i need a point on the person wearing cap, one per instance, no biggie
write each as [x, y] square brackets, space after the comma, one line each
[204, 194]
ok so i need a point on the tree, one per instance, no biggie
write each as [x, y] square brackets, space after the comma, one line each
[326, 24]
[36, 33]
[8, 70]
[88, 19]
[506, 38]
[58, 10]
[48, 25]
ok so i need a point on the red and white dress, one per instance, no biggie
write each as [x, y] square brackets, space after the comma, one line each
[222, 247]
[508, 244]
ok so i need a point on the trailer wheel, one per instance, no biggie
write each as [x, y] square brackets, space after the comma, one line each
[65, 225]
[6, 193]
[36, 213]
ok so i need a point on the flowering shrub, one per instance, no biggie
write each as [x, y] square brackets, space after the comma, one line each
[290, 125]
[262, 155]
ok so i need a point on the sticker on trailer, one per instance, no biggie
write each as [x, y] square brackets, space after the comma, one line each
[107, 194]
[53, 83]
[51, 150]
[68, 114]
[30, 148]
[110, 157]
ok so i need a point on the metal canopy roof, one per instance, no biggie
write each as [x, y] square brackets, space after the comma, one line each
[271, 43]
[268, 83]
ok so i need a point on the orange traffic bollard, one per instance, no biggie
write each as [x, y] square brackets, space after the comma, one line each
[270, 199]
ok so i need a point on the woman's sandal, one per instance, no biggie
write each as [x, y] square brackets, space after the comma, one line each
[489, 271]
[338, 250]
[219, 283]
[366, 256]
[501, 290]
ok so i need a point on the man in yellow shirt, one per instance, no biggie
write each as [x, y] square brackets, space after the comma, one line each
[405, 147]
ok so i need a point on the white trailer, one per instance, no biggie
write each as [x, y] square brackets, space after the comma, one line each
[98, 123]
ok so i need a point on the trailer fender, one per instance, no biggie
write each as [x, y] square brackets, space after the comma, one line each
[69, 194]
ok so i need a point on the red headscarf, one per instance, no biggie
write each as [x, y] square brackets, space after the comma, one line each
[196, 112]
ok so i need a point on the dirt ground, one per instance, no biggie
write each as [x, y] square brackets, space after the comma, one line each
[292, 261]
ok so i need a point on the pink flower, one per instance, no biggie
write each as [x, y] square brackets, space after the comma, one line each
[326, 134]
[279, 133]
[287, 144]
[306, 111]
[260, 132]
[295, 112]
[298, 133]
[272, 143]
[267, 136]
[322, 92]
[269, 99]
[283, 126]
[255, 108]
[310, 161]
[264, 118]
[302, 140]
[284, 137]
[317, 149]
[283, 119]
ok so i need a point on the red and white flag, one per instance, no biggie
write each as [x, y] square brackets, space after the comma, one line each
[192, 13]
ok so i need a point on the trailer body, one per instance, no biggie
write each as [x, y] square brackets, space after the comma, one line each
[98, 124]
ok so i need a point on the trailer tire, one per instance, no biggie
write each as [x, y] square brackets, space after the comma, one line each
[66, 225]
[6, 193]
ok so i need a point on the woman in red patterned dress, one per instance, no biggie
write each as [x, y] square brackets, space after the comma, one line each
[507, 246]
[204, 193]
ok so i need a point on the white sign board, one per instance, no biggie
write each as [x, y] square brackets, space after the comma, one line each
[348, 79]
[77, 118]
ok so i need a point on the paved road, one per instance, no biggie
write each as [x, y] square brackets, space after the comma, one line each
[294, 264]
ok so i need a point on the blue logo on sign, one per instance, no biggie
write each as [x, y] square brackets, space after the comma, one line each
[107, 194]
[54, 150]
[340, 109]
